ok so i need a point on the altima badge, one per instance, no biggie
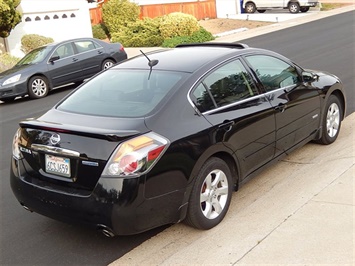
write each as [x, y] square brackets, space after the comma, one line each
[54, 139]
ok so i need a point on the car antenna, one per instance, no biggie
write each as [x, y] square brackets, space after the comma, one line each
[151, 63]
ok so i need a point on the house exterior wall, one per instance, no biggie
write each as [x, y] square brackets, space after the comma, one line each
[58, 19]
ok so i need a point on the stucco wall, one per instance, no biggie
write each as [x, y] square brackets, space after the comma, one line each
[59, 19]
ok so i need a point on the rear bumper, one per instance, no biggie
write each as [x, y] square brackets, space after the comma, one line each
[115, 203]
[309, 4]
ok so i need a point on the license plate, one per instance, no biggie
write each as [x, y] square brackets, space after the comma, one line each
[57, 165]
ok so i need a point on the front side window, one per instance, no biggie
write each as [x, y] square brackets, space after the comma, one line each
[64, 51]
[273, 72]
[226, 85]
[122, 93]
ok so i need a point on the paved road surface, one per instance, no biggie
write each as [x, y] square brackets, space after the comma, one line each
[30, 239]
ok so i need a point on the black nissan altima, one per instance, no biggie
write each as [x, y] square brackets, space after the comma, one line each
[58, 64]
[167, 136]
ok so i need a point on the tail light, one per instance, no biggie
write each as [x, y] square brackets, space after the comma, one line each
[136, 155]
[16, 153]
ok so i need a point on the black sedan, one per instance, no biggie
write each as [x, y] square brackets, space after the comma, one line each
[58, 64]
[167, 136]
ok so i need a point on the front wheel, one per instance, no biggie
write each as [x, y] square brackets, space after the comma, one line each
[38, 87]
[211, 195]
[331, 121]
[294, 7]
[261, 10]
[304, 9]
[250, 8]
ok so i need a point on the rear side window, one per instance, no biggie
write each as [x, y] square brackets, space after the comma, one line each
[121, 93]
[226, 85]
[84, 46]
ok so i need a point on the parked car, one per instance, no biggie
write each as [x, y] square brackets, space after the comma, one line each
[58, 64]
[167, 136]
[294, 6]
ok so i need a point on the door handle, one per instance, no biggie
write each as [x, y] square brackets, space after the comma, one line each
[226, 125]
[281, 108]
[99, 52]
[75, 59]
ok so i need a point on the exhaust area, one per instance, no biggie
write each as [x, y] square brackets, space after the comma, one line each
[108, 232]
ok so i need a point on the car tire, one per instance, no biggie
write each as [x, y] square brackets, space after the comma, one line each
[294, 7]
[261, 10]
[250, 7]
[331, 121]
[304, 9]
[211, 195]
[107, 64]
[38, 87]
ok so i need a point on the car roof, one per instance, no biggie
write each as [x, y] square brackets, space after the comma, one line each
[187, 57]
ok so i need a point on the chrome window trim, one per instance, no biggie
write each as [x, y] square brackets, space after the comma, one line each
[55, 150]
[238, 57]
[234, 104]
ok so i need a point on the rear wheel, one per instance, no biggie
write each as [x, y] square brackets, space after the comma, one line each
[211, 195]
[304, 9]
[250, 8]
[294, 7]
[38, 87]
[331, 121]
[261, 10]
[107, 64]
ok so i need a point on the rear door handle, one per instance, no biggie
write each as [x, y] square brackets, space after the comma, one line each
[75, 59]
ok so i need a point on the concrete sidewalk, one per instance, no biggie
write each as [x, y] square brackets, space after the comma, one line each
[299, 211]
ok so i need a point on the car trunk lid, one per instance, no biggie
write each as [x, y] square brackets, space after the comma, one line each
[71, 156]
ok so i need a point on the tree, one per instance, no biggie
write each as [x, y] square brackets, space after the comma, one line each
[9, 16]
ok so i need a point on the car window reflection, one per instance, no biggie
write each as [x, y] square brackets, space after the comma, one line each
[226, 85]
[273, 72]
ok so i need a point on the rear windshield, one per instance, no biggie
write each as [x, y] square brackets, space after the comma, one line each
[122, 93]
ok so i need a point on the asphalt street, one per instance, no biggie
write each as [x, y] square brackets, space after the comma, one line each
[258, 210]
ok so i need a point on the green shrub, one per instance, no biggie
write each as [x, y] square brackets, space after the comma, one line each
[7, 61]
[200, 36]
[32, 41]
[178, 24]
[98, 32]
[142, 33]
[117, 14]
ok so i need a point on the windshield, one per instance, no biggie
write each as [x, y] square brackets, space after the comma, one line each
[35, 56]
[122, 93]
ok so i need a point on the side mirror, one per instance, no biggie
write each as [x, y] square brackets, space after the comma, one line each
[309, 76]
[54, 58]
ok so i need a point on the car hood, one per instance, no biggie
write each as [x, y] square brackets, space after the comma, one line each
[15, 70]
[109, 128]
